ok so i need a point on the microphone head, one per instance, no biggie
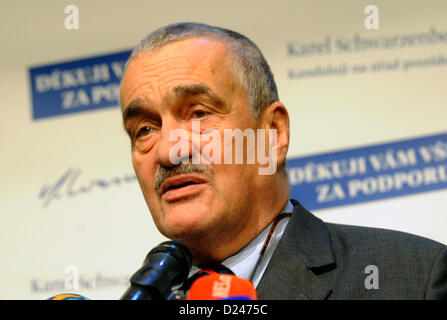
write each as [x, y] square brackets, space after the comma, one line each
[166, 265]
[68, 296]
[222, 287]
[175, 249]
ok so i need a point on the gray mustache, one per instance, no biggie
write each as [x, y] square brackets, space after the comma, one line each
[164, 173]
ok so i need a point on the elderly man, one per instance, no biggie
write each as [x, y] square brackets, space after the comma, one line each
[188, 80]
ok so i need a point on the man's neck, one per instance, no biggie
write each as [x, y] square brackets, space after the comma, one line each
[212, 249]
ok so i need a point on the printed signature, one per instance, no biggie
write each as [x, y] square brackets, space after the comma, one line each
[68, 186]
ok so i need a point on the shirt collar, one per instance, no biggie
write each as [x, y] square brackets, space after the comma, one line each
[244, 261]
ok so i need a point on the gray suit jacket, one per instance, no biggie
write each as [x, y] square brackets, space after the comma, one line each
[318, 260]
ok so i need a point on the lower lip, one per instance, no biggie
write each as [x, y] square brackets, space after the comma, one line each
[183, 192]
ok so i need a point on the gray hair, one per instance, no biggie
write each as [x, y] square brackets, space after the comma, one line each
[250, 66]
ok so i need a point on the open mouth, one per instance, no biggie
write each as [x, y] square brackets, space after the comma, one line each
[180, 185]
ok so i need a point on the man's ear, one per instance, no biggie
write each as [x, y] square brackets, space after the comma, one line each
[276, 117]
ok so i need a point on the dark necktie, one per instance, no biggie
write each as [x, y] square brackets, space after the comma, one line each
[206, 270]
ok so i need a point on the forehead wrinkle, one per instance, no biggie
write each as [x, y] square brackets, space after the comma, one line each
[132, 90]
[150, 80]
[156, 61]
[150, 71]
[191, 89]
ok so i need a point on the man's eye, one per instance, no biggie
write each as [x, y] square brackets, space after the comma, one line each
[144, 132]
[199, 114]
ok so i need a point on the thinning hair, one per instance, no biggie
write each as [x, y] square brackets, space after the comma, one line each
[249, 65]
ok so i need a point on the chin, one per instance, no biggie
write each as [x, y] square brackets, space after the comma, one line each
[185, 220]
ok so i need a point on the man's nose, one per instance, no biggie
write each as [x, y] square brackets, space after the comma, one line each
[173, 144]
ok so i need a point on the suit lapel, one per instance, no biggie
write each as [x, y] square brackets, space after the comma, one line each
[303, 253]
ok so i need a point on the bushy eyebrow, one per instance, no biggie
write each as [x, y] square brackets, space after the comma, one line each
[134, 108]
[138, 106]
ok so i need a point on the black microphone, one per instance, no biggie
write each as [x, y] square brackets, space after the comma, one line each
[165, 266]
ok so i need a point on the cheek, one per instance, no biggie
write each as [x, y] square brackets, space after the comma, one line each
[232, 179]
[145, 171]
[137, 164]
